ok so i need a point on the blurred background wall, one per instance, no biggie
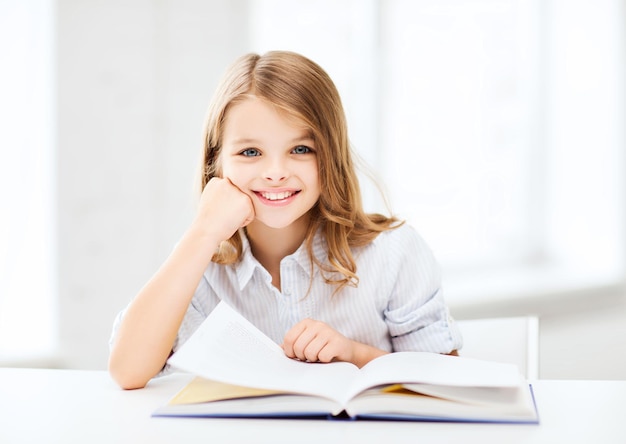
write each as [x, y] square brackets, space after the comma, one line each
[497, 128]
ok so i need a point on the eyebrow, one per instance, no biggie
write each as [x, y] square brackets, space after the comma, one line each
[253, 141]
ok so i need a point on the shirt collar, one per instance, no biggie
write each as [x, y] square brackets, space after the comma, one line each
[302, 258]
[248, 264]
[246, 267]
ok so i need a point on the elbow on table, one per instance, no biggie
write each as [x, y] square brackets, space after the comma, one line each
[127, 378]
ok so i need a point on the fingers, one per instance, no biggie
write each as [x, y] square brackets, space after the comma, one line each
[246, 201]
[312, 341]
[309, 346]
[224, 208]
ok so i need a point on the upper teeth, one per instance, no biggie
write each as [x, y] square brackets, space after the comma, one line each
[277, 196]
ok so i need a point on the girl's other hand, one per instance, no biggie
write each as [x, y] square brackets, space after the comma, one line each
[315, 341]
[223, 208]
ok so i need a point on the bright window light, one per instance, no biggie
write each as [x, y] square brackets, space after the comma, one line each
[492, 124]
[459, 123]
[27, 221]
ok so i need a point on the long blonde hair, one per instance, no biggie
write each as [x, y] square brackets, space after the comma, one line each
[304, 90]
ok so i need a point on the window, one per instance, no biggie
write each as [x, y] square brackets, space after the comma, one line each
[27, 228]
[496, 127]
[461, 89]
[493, 125]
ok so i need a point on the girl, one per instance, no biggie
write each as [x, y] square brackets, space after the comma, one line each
[281, 235]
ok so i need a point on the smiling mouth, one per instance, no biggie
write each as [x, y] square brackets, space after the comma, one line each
[277, 196]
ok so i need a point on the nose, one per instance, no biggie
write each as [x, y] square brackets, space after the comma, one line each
[275, 170]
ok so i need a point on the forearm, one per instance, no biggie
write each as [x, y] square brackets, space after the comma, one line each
[150, 325]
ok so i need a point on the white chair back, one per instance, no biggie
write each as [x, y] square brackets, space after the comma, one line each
[513, 340]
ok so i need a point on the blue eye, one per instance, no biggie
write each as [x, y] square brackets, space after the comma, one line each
[301, 149]
[250, 152]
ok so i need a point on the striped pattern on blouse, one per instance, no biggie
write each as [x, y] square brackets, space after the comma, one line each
[398, 304]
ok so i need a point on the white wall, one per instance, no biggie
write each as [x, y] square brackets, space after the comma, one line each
[134, 79]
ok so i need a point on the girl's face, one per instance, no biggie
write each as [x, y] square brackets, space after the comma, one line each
[271, 157]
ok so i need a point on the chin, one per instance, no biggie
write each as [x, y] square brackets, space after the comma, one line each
[276, 225]
[279, 223]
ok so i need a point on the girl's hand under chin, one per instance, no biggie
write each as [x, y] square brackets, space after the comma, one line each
[223, 208]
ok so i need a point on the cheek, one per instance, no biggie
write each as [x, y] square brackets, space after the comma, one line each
[238, 175]
[312, 175]
[225, 168]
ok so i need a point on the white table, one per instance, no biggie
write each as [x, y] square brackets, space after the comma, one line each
[72, 406]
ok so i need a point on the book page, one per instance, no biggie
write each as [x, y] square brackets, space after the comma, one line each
[228, 348]
[397, 402]
[487, 396]
[436, 369]
[204, 390]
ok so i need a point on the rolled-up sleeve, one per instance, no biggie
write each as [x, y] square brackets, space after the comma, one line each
[417, 315]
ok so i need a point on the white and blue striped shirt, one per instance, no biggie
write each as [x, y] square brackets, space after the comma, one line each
[397, 306]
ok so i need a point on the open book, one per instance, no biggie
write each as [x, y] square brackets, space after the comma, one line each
[242, 373]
